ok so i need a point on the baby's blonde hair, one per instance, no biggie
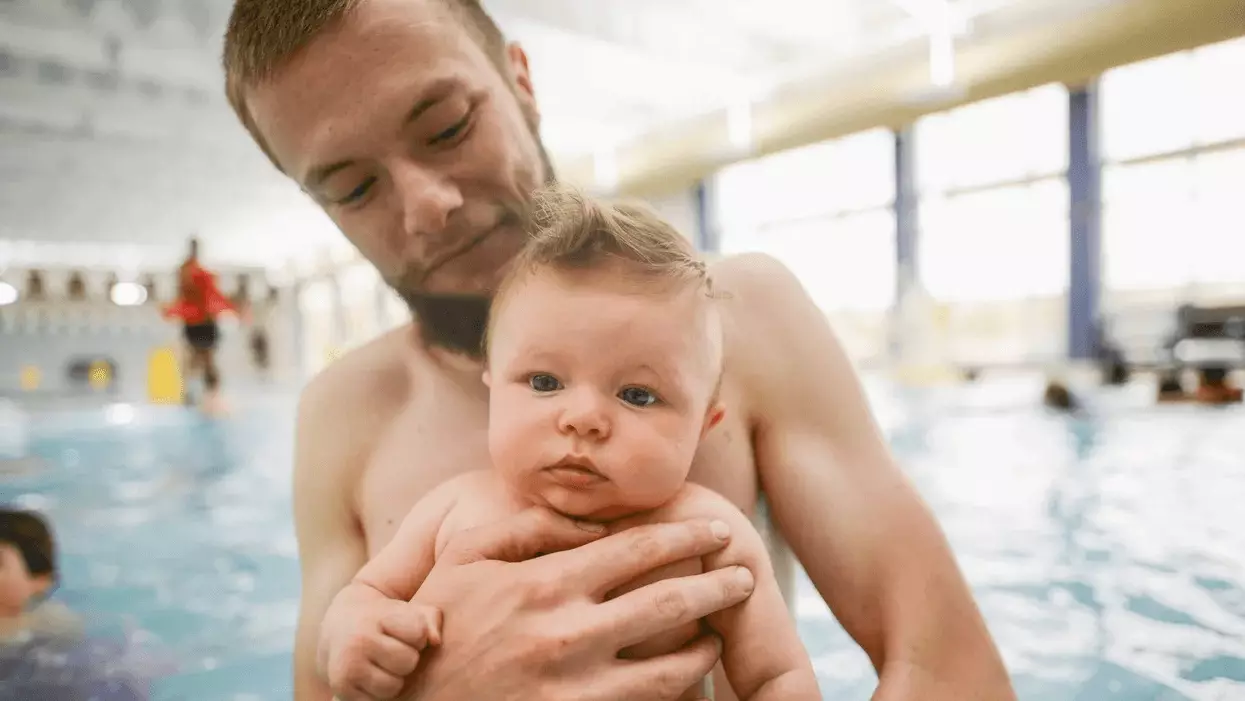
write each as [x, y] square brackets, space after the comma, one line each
[570, 231]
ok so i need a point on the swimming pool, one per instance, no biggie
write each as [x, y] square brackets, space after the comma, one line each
[1108, 552]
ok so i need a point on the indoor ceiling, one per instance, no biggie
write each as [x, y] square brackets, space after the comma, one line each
[116, 143]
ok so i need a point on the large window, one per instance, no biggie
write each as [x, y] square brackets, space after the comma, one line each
[993, 213]
[1174, 142]
[850, 174]
[1001, 244]
[1023, 136]
[846, 263]
[1174, 103]
[994, 199]
[827, 212]
[1175, 225]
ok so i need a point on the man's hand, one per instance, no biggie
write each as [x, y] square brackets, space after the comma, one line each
[370, 643]
[517, 628]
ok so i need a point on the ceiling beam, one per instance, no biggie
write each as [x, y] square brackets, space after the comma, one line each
[1003, 54]
[652, 35]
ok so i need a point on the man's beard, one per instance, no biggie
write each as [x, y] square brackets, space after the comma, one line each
[457, 322]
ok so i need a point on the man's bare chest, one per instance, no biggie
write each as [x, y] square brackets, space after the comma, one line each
[427, 445]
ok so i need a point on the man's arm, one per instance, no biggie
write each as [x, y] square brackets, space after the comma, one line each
[865, 537]
[332, 443]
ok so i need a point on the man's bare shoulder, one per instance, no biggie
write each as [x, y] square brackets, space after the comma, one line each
[754, 281]
[375, 371]
[351, 401]
[764, 310]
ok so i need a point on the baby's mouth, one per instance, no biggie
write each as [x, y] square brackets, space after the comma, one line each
[576, 473]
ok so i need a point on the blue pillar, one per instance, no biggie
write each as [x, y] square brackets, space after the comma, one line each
[1085, 186]
[907, 227]
[708, 233]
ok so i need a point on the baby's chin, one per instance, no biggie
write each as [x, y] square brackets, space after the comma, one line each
[603, 506]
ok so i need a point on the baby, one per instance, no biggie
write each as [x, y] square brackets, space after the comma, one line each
[604, 358]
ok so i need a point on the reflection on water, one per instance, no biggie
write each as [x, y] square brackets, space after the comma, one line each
[1106, 550]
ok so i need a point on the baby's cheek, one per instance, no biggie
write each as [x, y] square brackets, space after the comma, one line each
[504, 444]
[664, 467]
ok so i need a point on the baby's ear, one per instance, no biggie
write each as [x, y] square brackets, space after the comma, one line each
[713, 417]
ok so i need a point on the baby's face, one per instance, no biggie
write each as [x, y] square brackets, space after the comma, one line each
[600, 392]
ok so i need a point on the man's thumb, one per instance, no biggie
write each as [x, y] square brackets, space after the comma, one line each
[534, 531]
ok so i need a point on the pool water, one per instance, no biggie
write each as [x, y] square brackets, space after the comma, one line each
[1107, 551]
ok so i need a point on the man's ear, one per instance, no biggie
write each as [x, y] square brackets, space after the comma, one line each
[526, 92]
[488, 379]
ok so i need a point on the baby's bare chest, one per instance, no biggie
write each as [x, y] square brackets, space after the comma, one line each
[425, 448]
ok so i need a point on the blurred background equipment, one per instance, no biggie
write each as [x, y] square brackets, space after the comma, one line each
[1022, 218]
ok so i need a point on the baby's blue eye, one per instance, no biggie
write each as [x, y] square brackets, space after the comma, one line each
[544, 383]
[638, 396]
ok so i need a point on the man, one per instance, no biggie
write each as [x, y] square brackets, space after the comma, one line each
[414, 125]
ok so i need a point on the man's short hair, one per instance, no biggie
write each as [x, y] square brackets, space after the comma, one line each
[265, 35]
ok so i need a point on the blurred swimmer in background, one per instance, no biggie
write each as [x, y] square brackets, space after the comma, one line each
[45, 652]
[28, 574]
[199, 305]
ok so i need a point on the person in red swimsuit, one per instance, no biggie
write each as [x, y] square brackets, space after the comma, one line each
[199, 303]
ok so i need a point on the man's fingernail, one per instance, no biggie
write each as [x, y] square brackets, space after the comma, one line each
[744, 577]
[720, 530]
[591, 526]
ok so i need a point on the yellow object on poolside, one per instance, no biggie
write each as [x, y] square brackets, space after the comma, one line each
[99, 375]
[31, 378]
[164, 377]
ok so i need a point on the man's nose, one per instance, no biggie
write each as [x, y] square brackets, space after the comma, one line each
[585, 415]
[428, 200]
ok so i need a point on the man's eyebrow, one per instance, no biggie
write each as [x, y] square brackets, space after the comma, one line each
[316, 177]
[432, 95]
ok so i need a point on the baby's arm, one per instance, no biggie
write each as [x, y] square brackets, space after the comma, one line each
[372, 635]
[398, 570]
[762, 653]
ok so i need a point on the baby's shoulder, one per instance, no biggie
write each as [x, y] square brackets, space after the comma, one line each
[746, 547]
[473, 499]
[695, 501]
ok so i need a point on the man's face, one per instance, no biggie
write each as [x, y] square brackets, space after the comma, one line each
[418, 146]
